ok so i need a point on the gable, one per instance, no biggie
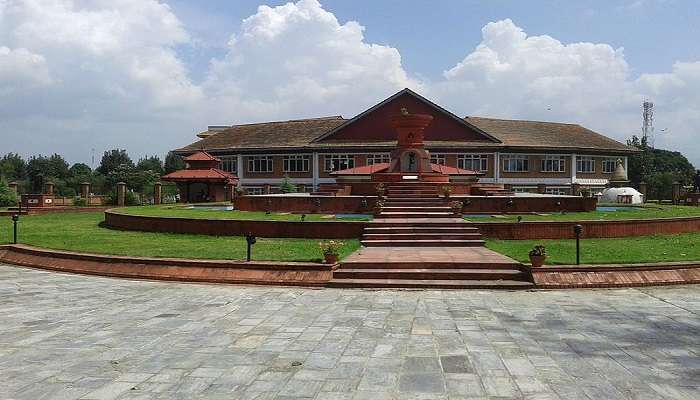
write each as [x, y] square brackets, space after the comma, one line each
[375, 123]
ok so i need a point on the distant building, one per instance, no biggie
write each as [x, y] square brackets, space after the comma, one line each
[523, 155]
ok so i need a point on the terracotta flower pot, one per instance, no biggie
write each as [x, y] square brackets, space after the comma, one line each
[330, 258]
[537, 261]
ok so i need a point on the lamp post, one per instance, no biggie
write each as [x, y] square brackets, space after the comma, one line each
[250, 240]
[577, 231]
[15, 220]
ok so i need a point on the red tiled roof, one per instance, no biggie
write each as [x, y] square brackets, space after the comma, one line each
[363, 170]
[201, 156]
[444, 169]
[381, 167]
[212, 174]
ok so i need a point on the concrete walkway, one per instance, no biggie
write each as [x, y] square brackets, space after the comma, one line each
[80, 337]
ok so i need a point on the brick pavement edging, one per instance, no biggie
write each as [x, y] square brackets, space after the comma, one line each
[311, 274]
[214, 271]
[616, 275]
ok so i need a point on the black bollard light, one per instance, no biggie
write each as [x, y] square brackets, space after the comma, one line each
[15, 221]
[577, 231]
[250, 239]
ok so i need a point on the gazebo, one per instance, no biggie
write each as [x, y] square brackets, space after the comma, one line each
[202, 181]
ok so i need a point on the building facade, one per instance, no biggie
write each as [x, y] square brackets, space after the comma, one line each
[525, 156]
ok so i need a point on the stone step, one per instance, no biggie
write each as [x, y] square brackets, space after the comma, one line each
[423, 243]
[431, 274]
[430, 265]
[399, 192]
[416, 208]
[416, 203]
[411, 222]
[415, 214]
[422, 229]
[435, 284]
[422, 236]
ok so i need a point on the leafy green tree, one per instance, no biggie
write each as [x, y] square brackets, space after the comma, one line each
[658, 168]
[152, 163]
[80, 169]
[13, 167]
[173, 163]
[7, 195]
[287, 186]
[113, 160]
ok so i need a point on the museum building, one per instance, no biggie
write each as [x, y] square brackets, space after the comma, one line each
[523, 156]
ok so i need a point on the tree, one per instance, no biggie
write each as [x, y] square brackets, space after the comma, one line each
[114, 159]
[287, 186]
[13, 167]
[173, 163]
[7, 195]
[152, 164]
[80, 169]
[658, 168]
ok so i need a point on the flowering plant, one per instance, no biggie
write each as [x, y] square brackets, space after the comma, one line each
[330, 247]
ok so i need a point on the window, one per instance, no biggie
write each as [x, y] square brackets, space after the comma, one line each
[260, 164]
[254, 191]
[473, 162]
[557, 191]
[585, 165]
[377, 158]
[525, 189]
[229, 163]
[437, 159]
[337, 162]
[296, 163]
[553, 164]
[516, 163]
[609, 165]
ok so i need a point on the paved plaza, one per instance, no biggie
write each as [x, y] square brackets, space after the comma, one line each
[81, 337]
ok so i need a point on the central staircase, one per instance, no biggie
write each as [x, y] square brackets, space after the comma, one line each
[417, 242]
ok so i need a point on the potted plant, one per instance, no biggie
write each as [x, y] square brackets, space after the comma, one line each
[330, 250]
[381, 189]
[446, 191]
[586, 192]
[457, 207]
[378, 206]
[537, 256]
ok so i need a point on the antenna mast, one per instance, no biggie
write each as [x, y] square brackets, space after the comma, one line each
[648, 123]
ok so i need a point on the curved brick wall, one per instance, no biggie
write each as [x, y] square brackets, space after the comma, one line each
[591, 229]
[278, 229]
[349, 230]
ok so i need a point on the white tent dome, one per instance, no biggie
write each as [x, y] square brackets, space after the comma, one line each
[610, 195]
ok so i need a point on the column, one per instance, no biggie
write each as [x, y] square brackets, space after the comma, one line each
[643, 190]
[676, 193]
[239, 169]
[121, 194]
[315, 171]
[48, 188]
[573, 168]
[157, 193]
[496, 167]
[13, 187]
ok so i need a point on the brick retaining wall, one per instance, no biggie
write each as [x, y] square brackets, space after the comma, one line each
[622, 275]
[216, 271]
[277, 229]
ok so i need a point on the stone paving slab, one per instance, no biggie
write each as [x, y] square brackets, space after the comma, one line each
[82, 337]
[428, 254]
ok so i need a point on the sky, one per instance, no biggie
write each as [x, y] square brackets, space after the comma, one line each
[78, 77]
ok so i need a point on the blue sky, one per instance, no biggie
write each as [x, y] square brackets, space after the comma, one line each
[147, 75]
[434, 34]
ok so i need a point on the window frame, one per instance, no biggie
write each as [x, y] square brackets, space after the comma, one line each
[330, 159]
[521, 159]
[551, 161]
[438, 158]
[483, 160]
[231, 161]
[290, 160]
[581, 160]
[606, 161]
[378, 158]
[269, 163]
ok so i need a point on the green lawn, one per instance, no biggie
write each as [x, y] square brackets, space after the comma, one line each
[184, 212]
[81, 232]
[683, 247]
[649, 211]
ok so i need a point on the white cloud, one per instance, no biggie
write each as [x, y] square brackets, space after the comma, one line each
[513, 75]
[297, 59]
